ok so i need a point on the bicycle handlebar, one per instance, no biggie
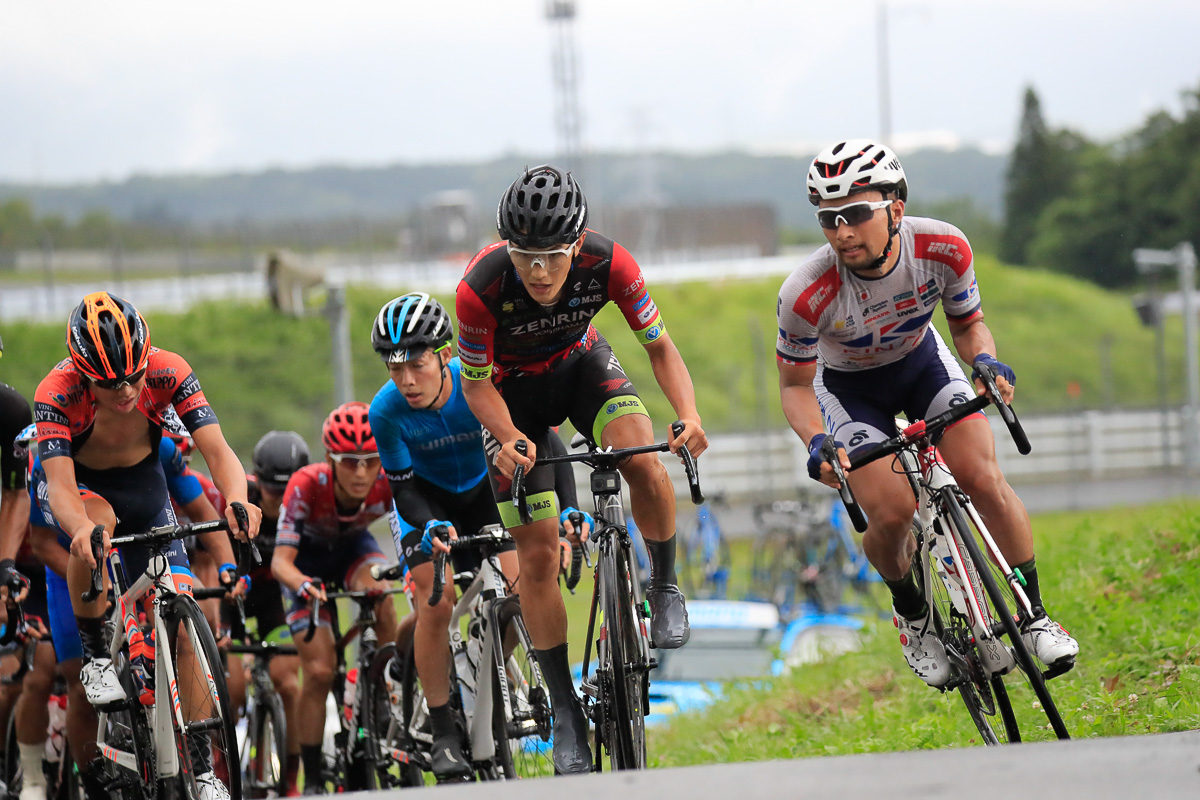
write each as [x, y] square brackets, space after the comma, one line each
[925, 429]
[576, 519]
[314, 610]
[488, 536]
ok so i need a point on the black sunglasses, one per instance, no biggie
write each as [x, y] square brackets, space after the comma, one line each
[112, 384]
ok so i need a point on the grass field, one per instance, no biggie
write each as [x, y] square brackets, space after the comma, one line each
[1126, 583]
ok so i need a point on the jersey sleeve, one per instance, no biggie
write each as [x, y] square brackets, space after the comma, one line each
[15, 416]
[627, 288]
[394, 455]
[798, 313]
[950, 249]
[476, 334]
[51, 415]
[294, 510]
[171, 375]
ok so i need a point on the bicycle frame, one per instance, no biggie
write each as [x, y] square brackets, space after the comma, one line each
[157, 580]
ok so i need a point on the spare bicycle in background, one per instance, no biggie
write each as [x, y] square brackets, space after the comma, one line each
[970, 594]
[616, 694]
[705, 561]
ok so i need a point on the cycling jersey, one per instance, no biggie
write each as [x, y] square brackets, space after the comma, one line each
[15, 416]
[65, 408]
[501, 329]
[852, 322]
[443, 445]
[310, 510]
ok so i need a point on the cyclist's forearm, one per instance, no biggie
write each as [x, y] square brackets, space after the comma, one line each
[65, 501]
[802, 410]
[217, 544]
[972, 339]
[489, 408]
[283, 567]
[673, 377]
[227, 472]
[14, 521]
[410, 505]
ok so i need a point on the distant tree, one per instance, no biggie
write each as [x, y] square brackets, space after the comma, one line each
[1040, 171]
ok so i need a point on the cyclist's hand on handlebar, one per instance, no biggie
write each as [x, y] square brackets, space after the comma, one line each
[229, 576]
[692, 435]
[818, 468]
[508, 458]
[14, 586]
[1006, 379]
[310, 590]
[431, 542]
[576, 537]
[81, 545]
[243, 528]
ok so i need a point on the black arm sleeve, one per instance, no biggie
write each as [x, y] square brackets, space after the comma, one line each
[411, 506]
[14, 417]
[564, 476]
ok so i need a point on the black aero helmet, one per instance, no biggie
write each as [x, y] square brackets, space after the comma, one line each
[542, 208]
[277, 455]
[107, 338]
[408, 325]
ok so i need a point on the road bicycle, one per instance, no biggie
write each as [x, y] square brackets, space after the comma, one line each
[497, 687]
[355, 763]
[970, 593]
[704, 551]
[263, 751]
[177, 703]
[62, 776]
[616, 695]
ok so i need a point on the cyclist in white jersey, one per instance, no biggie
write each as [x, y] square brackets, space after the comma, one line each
[856, 347]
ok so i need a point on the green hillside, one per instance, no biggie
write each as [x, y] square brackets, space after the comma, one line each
[263, 371]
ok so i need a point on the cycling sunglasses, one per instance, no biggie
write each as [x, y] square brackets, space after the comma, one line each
[550, 260]
[851, 214]
[112, 384]
[355, 460]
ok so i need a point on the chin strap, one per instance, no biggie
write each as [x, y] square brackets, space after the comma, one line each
[445, 368]
[878, 263]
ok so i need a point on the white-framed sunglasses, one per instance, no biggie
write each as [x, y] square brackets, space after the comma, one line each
[549, 260]
[852, 213]
[356, 460]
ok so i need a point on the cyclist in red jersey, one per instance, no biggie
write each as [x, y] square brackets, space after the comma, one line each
[322, 538]
[99, 416]
[531, 360]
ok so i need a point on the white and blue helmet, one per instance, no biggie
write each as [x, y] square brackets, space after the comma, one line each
[408, 326]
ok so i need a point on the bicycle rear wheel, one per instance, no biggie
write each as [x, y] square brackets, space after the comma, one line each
[521, 724]
[625, 716]
[204, 697]
[1000, 599]
[395, 766]
[266, 745]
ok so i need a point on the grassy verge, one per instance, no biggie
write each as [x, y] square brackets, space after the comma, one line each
[1125, 582]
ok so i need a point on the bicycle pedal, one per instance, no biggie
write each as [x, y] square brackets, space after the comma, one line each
[1061, 668]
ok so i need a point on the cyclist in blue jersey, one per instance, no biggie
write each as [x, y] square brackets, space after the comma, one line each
[431, 448]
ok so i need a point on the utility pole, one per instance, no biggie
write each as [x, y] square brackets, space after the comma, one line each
[339, 338]
[561, 15]
[885, 89]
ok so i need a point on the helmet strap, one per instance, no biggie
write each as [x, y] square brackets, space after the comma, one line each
[441, 386]
[878, 264]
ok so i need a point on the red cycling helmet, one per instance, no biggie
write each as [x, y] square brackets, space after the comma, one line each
[347, 429]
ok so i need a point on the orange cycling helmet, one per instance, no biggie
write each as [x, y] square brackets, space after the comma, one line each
[347, 429]
[108, 338]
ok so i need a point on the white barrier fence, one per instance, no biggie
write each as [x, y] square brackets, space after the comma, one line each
[1088, 446]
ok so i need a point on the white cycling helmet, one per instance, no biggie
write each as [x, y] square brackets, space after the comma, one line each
[853, 166]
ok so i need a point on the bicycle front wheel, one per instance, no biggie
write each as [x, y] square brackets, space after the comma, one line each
[625, 716]
[207, 741]
[521, 715]
[266, 733]
[395, 765]
[1000, 599]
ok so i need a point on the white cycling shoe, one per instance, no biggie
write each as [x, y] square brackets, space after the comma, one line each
[99, 679]
[209, 787]
[1049, 641]
[923, 651]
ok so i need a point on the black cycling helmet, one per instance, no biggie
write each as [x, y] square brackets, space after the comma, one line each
[276, 456]
[408, 325]
[544, 207]
[107, 338]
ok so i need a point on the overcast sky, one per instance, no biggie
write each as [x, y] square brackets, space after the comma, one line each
[105, 90]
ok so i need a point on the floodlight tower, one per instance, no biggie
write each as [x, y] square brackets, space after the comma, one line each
[561, 14]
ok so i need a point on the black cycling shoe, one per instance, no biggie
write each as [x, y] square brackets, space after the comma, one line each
[448, 761]
[572, 756]
[669, 627]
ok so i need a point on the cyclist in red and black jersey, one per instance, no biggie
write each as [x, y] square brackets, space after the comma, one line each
[531, 360]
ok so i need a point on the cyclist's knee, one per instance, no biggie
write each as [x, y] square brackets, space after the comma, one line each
[100, 512]
[318, 675]
[645, 469]
[540, 562]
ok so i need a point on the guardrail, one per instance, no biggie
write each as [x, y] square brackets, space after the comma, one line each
[1090, 445]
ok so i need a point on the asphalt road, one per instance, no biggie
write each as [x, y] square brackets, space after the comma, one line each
[1141, 767]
